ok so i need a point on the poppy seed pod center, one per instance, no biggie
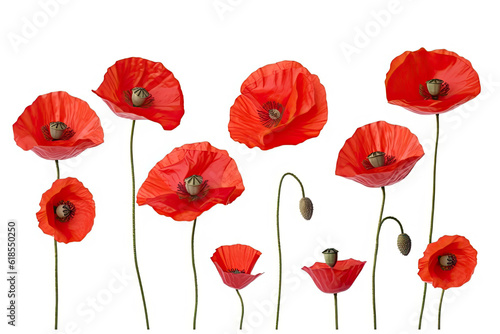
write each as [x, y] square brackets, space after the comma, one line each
[57, 129]
[65, 210]
[139, 95]
[193, 184]
[274, 114]
[377, 159]
[330, 255]
[434, 87]
[447, 261]
[271, 114]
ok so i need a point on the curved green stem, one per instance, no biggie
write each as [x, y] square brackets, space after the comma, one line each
[195, 277]
[376, 252]
[375, 259]
[133, 223]
[396, 220]
[242, 309]
[432, 212]
[56, 266]
[279, 242]
[439, 312]
[336, 312]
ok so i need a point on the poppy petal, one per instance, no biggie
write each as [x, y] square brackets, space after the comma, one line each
[235, 263]
[336, 279]
[396, 141]
[58, 107]
[72, 190]
[412, 69]
[160, 189]
[297, 94]
[167, 108]
[430, 270]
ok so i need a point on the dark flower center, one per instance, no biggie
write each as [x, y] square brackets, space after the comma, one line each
[447, 261]
[236, 271]
[57, 131]
[378, 159]
[138, 97]
[64, 211]
[192, 188]
[271, 114]
[433, 89]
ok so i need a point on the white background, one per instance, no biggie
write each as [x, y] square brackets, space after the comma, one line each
[211, 47]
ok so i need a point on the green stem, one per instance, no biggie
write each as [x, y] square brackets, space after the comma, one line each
[279, 242]
[57, 284]
[376, 252]
[57, 168]
[432, 212]
[195, 277]
[434, 178]
[133, 223]
[396, 220]
[422, 307]
[336, 312]
[242, 309]
[439, 312]
[56, 266]
[375, 260]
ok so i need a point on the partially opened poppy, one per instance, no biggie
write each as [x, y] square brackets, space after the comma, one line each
[137, 88]
[58, 126]
[280, 104]
[431, 82]
[379, 154]
[189, 181]
[234, 264]
[447, 263]
[67, 211]
[334, 276]
[336, 279]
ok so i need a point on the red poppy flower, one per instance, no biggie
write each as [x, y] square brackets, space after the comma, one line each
[58, 126]
[158, 93]
[190, 180]
[336, 279]
[448, 262]
[67, 211]
[379, 154]
[280, 104]
[407, 81]
[235, 263]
